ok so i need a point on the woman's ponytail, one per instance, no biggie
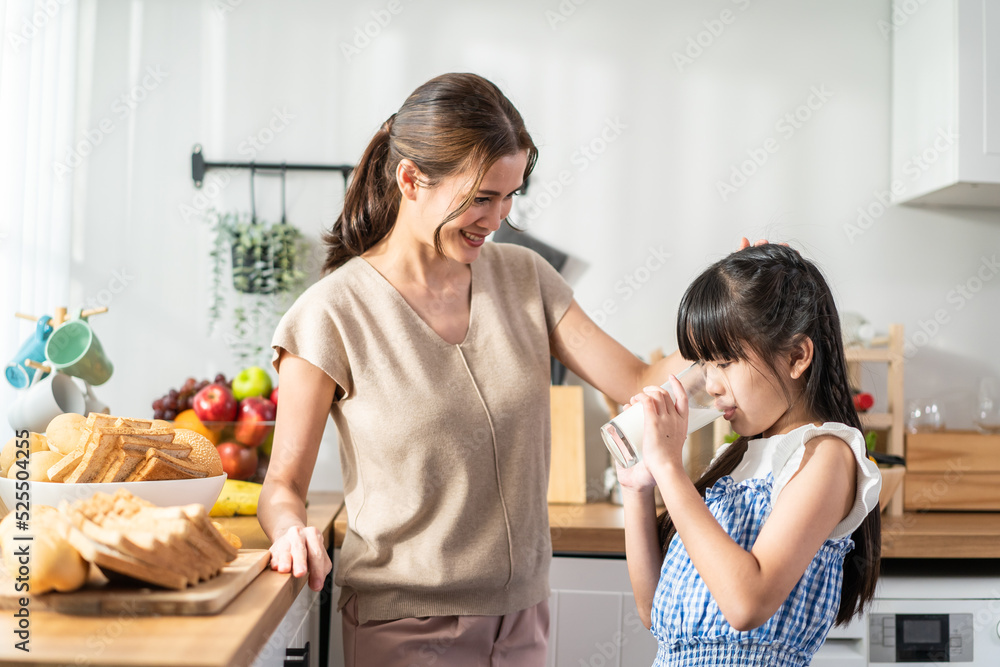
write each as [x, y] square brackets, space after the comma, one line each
[370, 203]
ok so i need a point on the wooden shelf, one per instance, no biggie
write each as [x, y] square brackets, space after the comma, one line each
[891, 421]
[879, 421]
[853, 354]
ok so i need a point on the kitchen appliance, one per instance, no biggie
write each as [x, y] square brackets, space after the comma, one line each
[928, 614]
[920, 637]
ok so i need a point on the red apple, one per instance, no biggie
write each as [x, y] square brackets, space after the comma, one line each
[251, 427]
[863, 401]
[215, 403]
[238, 462]
[274, 396]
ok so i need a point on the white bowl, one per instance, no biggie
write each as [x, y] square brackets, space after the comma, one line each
[163, 493]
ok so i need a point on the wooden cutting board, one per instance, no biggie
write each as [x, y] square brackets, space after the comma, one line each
[568, 471]
[100, 596]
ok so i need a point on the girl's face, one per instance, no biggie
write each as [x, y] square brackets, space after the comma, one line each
[462, 238]
[750, 396]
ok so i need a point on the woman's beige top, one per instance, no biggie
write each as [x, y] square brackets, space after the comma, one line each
[444, 448]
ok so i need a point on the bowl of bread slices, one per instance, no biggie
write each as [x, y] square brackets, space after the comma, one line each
[78, 456]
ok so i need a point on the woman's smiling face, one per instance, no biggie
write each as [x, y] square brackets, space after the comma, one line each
[462, 237]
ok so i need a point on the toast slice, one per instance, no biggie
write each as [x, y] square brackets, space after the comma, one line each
[199, 516]
[110, 434]
[123, 465]
[96, 458]
[65, 466]
[112, 559]
[211, 545]
[160, 466]
[99, 420]
[138, 424]
[141, 445]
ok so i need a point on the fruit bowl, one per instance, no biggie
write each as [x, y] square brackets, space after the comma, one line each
[246, 433]
[164, 493]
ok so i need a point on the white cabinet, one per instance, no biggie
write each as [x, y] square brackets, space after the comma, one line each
[844, 647]
[594, 622]
[593, 619]
[296, 640]
[945, 102]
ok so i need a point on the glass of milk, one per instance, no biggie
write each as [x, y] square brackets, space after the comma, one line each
[623, 434]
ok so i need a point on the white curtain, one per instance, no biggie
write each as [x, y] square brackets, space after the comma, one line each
[37, 92]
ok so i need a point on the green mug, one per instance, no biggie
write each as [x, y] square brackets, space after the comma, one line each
[74, 349]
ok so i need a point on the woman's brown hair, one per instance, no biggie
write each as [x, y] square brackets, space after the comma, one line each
[763, 300]
[453, 124]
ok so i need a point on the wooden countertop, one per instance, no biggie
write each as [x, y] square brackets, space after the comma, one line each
[232, 637]
[599, 528]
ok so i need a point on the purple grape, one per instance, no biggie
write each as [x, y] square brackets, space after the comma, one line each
[220, 379]
[169, 415]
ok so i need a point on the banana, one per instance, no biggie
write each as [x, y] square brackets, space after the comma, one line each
[237, 497]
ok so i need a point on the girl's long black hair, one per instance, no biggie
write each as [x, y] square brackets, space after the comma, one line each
[763, 299]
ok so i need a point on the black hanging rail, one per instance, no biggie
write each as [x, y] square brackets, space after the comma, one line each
[199, 166]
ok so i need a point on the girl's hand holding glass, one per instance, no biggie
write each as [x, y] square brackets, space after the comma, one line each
[665, 424]
[636, 477]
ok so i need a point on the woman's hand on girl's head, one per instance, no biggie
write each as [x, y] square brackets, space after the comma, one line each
[300, 551]
[664, 424]
[745, 243]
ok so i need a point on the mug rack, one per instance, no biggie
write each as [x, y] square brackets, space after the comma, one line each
[199, 165]
[56, 321]
[60, 315]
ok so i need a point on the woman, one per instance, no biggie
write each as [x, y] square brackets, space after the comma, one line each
[430, 350]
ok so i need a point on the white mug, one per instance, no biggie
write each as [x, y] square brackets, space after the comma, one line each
[93, 403]
[45, 399]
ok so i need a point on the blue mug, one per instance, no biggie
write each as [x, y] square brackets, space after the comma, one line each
[18, 373]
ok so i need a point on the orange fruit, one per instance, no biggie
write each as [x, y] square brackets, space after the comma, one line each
[189, 419]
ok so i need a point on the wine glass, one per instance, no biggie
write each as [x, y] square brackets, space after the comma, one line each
[988, 410]
[924, 416]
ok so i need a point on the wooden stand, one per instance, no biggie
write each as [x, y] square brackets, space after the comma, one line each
[60, 316]
[891, 421]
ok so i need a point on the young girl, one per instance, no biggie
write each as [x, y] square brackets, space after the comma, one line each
[779, 538]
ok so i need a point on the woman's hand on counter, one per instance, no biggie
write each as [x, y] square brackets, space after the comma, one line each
[300, 550]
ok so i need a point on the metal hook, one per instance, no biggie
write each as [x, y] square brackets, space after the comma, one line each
[284, 168]
[253, 199]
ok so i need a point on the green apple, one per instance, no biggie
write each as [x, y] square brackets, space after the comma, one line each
[252, 381]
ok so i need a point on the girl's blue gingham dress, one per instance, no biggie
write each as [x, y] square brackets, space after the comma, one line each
[686, 621]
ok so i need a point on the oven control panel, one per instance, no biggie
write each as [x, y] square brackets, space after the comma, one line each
[920, 638]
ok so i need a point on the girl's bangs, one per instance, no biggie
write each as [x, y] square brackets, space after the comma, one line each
[708, 328]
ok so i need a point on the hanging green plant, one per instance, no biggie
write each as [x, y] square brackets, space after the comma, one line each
[265, 258]
[260, 268]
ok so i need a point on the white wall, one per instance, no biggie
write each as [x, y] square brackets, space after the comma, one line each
[605, 68]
